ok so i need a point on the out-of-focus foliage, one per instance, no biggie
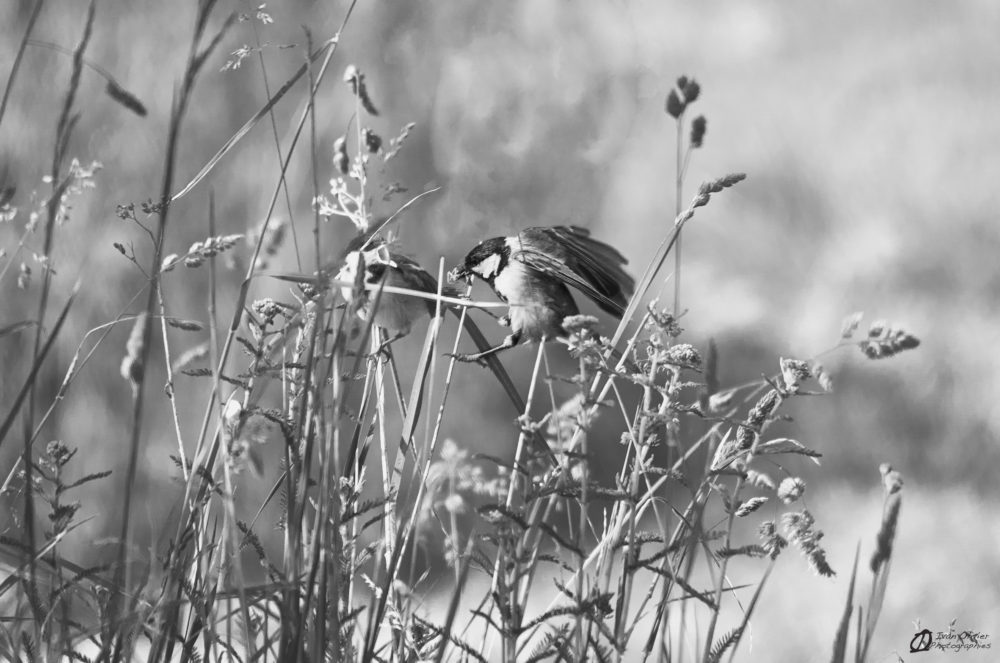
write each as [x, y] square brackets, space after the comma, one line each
[868, 130]
[868, 134]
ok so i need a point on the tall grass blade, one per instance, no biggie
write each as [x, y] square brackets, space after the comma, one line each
[840, 640]
[40, 356]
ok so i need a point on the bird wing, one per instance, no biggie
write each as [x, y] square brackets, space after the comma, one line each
[571, 255]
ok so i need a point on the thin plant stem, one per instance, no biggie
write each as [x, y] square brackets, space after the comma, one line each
[16, 64]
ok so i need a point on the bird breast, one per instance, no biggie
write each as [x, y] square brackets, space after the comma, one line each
[538, 304]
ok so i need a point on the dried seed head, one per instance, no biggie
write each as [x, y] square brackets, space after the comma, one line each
[706, 189]
[885, 341]
[684, 354]
[791, 489]
[373, 142]
[793, 372]
[579, 324]
[750, 506]
[169, 263]
[892, 481]
[759, 413]
[850, 325]
[726, 450]
[684, 93]
[759, 480]
[744, 438]
[185, 325]
[690, 88]
[188, 357]
[822, 377]
[125, 98]
[764, 408]
[267, 309]
[57, 453]
[773, 542]
[799, 528]
[209, 248]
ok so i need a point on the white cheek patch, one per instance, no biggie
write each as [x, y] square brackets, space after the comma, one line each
[348, 273]
[349, 270]
[488, 267]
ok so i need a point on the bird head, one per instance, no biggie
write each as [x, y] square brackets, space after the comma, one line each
[374, 263]
[486, 260]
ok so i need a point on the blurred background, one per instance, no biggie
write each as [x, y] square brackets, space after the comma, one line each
[870, 138]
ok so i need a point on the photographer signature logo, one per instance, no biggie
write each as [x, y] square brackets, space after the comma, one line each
[952, 640]
[921, 641]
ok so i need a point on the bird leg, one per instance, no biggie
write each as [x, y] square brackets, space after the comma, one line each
[383, 348]
[509, 342]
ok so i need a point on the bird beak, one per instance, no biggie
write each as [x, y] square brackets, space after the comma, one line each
[458, 274]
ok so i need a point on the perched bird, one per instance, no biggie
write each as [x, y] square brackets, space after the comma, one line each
[532, 272]
[398, 313]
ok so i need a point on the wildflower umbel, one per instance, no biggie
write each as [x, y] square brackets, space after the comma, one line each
[683, 354]
[582, 339]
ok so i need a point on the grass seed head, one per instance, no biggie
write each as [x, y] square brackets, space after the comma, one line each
[750, 505]
[341, 160]
[373, 142]
[354, 78]
[131, 367]
[23, 276]
[799, 528]
[698, 128]
[760, 480]
[885, 340]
